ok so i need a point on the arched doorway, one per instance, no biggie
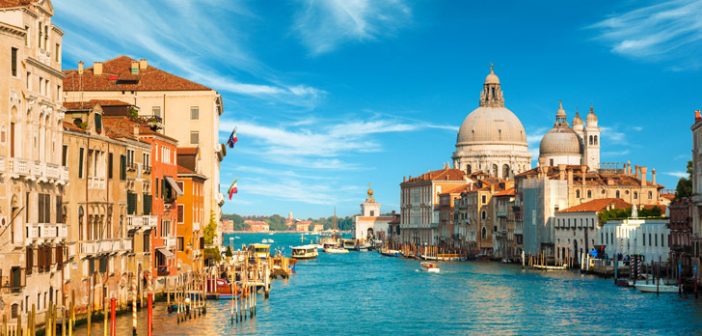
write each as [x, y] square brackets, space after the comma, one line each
[370, 234]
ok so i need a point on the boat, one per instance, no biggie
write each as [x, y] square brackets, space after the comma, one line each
[267, 241]
[390, 253]
[365, 247]
[657, 288]
[335, 250]
[305, 252]
[430, 267]
[349, 244]
[261, 251]
[220, 289]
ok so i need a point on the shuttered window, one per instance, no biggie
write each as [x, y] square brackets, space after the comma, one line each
[80, 162]
[131, 203]
[147, 204]
[109, 165]
[122, 167]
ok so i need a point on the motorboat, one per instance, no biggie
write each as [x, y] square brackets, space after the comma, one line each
[335, 250]
[430, 267]
[363, 247]
[657, 288]
[390, 253]
[261, 251]
[305, 252]
[349, 244]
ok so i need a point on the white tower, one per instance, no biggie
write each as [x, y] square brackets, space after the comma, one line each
[591, 141]
[369, 208]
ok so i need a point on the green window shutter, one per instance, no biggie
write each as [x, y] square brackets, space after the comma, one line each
[80, 163]
[109, 165]
[147, 204]
[122, 167]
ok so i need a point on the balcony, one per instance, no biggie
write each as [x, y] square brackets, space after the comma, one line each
[56, 173]
[149, 222]
[134, 222]
[89, 248]
[147, 170]
[196, 226]
[125, 245]
[170, 242]
[19, 168]
[96, 183]
[42, 232]
[71, 251]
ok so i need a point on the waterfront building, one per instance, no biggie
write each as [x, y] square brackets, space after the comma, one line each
[681, 249]
[504, 233]
[95, 203]
[447, 214]
[190, 241]
[164, 170]
[227, 226]
[491, 138]
[697, 185]
[636, 236]
[419, 200]
[370, 225]
[166, 97]
[257, 226]
[542, 191]
[579, 145]
[33, 174]
[576, 228]
[317, 228]
[302, 225]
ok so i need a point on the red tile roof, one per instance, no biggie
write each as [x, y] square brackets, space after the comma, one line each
[446, 174]
[183, 170]
[508, 192]
[668, 196]
[598, 205]
[457, 189]
[14, 3]
[117, 76]
[188, 150]
[69, 126]
[91, 103]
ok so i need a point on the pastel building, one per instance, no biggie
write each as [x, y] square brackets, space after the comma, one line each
[637, 236]
[191, 217]
[370, 225]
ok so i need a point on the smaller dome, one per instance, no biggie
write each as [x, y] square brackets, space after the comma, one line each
[577, 121]
[560, 140]
[561, 111]
[591, 117]
[491, 77]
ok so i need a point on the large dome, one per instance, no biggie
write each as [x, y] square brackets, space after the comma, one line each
[560, 140]
[496, 125]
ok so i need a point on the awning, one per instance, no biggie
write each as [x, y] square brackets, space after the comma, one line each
[166, 253]
[174, 185]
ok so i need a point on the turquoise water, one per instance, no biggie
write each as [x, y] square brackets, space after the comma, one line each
[367, 294]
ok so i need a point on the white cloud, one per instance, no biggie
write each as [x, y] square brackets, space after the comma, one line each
[678, 174]
[324, 24]
[289, 189]
[665, 31]
[197, 47]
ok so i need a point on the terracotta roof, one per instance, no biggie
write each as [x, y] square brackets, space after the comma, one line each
[91, 103]
[14, 3]
[598, 205]
[188, 150]
[119, 127]
[603, 178]
[446, 174]
[456, 190]
[69, 126]
[508, 192]
[183, 170]
[117, 76]
[668, 196]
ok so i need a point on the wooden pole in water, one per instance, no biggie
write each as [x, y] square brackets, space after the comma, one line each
[72, 317]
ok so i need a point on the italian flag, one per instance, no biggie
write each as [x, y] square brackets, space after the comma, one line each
[233, 189]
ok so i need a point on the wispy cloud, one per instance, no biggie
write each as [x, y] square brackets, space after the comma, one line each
[296, 190]
[670, 30]
[324, 24]
[678, 174]
[317, 145]
[195, 47]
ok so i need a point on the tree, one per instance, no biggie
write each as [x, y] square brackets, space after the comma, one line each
[211, 251]
[684, 187]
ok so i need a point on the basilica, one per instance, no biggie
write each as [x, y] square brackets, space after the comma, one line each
[579, 145]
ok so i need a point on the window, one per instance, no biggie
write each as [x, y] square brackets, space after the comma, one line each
[156, 111]
[27, 36]
[551, 163]
[483, 215]
[156, 186]
[29, 81]
[650, 195]
[165, 228]
[80, 162]
[14, 61]
[589, 194]
[618, 194]
[577, 193]
[39, 36]
[64, 155]
[57, 53]
[636, 195]
[130, 159]
[59, 209]
[109, 165]
[122, 167]
[98, 122]
[147, 205]
[194, 137]
[146, 157]
[44, 208]
[484, 199]
[194, 112]
[131, 203]
[644, 239]
[179, 243]
[181, 213]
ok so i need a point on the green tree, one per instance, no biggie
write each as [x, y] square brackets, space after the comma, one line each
[211, 252]
[684, 187]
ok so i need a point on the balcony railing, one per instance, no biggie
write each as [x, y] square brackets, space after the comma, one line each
[41, 232]
[89, 248]
[170, 242]
[19, 167]
[96, 183]
[134, 222]
[149, 222]
[125, 245]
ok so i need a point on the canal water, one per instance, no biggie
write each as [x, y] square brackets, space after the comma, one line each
[368, 294]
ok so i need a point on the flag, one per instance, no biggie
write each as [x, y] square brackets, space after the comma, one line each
[232, 139]
[233, 189]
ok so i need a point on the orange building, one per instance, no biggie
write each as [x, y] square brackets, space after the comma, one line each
[257, 226]
[303, 226]
[190, 217]
[165, 191]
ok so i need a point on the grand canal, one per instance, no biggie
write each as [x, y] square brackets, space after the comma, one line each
[367, 294]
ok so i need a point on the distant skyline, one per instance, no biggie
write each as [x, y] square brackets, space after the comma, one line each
[328, 96]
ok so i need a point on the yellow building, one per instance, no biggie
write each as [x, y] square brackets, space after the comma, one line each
[191, 212]
[32, 172]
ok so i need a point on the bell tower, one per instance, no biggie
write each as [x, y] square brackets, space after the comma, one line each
[591, 141]
[369, 208]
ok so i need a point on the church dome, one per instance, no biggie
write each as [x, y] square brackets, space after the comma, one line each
[491, 125]
[560, 140]
[492, 77]
[591, 117]
[577, 121]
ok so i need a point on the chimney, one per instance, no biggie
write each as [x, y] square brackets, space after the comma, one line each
[644, 170]
[136, 129]
[698, 116]
[97, 68]
[561, 171]
[143, 64]
[628, 166]
[570, 177]
[404, 179]
[81, 65]
[638, 170]
[653, 176]
[134, 68]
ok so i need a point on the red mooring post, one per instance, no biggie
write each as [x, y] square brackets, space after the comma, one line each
[113, 316]
[149, 315]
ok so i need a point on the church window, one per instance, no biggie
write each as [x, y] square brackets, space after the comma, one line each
[589, 194]
[591, 140]
[636, 195]
[595, 140]
[551, 163]
[505, 171]
[494, 170]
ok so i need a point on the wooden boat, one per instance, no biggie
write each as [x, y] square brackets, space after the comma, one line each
[305, 252]
[660, 288]
[261, 251]
[335, 250]
[219, 289]
[430, 267]
[390, 253]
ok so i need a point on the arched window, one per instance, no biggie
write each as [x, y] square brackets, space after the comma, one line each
[618, 194]
[483, 215]
[494, 170]
[591, 140]
[650, 195]
[484, 233]
[577, 193]
[589, 194]
[636, 195]
[595, 139]
[469, 169]
[80, 222]
[505, 171]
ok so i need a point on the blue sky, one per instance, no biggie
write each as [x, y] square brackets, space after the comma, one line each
[329, 96]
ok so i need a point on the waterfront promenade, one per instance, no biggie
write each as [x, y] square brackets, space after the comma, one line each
[367, 294]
